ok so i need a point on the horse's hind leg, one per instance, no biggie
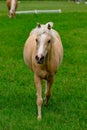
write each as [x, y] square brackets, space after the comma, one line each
[48, 89]
[38, 82]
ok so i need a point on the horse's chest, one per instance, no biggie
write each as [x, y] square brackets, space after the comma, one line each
[41, 70]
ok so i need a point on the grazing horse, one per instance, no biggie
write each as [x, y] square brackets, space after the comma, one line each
[12, 6]
[43, 54]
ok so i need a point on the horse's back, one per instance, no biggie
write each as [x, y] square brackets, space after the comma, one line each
[29, 50]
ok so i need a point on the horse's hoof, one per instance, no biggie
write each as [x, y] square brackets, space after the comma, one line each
[45, 102]
[39, 118]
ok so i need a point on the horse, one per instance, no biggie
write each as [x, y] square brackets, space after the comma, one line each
[12, 6]
[43, 54]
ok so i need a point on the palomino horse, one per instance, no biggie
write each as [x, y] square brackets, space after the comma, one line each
[43, 54]
[12, 6]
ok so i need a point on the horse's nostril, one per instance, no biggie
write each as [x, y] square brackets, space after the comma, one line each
[36, 57]
[42, 58]
[39, 60]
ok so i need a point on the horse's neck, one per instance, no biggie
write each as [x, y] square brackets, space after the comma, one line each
[13, 3]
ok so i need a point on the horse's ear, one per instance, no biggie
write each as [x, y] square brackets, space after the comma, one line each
[49, 25]
[38, 25]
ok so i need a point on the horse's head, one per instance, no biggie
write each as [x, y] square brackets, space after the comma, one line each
[11, 13]
[43, 45]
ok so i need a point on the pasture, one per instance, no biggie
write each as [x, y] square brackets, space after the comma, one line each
[67, 108]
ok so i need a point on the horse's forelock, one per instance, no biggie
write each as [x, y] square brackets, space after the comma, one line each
[47, 28]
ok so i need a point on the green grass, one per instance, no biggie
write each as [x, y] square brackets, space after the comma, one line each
[67, 109]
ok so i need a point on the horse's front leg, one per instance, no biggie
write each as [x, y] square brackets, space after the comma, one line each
[48, 89]
[38, 83]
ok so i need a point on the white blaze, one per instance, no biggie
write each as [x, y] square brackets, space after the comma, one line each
[41, 47]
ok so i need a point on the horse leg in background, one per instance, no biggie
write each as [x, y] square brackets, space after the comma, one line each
[38, 83]
[48, 89]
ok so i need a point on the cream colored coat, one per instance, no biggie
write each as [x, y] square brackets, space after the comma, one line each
[50, 65]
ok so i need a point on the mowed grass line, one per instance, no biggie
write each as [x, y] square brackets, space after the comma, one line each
[67, 109]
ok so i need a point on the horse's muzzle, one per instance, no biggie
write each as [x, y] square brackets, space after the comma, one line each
[39, 60]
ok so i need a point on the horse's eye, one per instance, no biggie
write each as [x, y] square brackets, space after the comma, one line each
[49, 41]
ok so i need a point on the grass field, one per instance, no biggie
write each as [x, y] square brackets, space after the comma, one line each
[67, 109]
